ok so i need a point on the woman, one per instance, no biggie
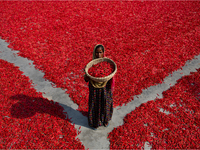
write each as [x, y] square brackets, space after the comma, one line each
[100, 96]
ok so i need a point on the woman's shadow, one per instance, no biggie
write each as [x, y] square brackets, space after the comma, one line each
[29, 106]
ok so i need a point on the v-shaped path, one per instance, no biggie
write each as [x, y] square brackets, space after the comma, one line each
[92, 139]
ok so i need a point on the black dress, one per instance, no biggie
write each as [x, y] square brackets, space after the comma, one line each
[100, 105]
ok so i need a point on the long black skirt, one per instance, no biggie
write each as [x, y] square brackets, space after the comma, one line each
[100, 105]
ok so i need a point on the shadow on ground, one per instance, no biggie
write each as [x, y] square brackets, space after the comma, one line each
[28, 106]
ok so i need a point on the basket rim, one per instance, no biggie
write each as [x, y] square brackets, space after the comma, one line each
[100, 79]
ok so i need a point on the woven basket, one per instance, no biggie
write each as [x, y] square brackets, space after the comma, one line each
[96, 61]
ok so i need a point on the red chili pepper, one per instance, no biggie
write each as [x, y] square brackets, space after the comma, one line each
[101, 69]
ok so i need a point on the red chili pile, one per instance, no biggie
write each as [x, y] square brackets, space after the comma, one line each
[27, 119]
[101, 69]
[171, 122]
[147, 40]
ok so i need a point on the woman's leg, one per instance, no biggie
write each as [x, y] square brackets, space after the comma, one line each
[108, 108]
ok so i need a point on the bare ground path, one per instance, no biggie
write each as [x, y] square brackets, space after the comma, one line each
[90, 138]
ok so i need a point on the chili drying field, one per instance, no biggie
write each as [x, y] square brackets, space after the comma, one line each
[147, 40]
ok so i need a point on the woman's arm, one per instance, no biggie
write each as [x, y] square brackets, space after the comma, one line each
[112, 83]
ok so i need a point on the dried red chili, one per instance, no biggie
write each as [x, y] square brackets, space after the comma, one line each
[101, 69]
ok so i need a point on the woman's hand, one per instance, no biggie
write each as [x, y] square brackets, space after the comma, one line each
[86, 78]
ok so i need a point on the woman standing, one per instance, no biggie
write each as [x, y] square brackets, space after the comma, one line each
[100, 96]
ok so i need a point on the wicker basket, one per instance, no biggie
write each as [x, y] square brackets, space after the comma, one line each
[96, 61]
